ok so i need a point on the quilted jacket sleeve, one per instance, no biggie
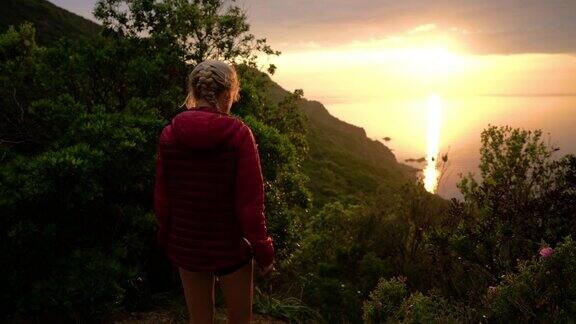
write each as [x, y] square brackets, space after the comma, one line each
[249, 199]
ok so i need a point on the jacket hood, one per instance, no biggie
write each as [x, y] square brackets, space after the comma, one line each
[200, 129]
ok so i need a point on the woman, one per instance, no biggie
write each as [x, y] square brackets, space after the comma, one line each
[209, 197]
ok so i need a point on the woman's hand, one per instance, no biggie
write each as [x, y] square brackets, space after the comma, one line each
[266, 270]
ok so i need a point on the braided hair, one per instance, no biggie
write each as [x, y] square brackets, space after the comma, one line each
[209, 80]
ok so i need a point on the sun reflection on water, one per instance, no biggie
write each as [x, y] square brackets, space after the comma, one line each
[431, 172]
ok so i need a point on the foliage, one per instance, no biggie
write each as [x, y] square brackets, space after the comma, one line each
[520, 187]
[448, 252]
[345, 164]
[484, 237]
[390, 302]
[75, 225]
[75, 116]
[543, 289]
[286, 195]
[525, 197]
[203, 29]
[385, 300]
[420, 308]
[344, 250]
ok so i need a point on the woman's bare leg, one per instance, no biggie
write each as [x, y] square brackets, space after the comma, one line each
[237, 288]
[199, 293]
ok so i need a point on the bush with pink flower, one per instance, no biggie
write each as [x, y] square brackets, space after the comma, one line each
[546, 252]
[543, 289]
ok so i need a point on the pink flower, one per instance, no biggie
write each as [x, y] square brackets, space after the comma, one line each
[546, 251]
[491, 291]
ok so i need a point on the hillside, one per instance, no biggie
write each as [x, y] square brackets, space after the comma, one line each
[343, 161]
[51, 21]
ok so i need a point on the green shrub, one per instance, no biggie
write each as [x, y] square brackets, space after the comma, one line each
[371, 268]
[385, 300]
[543, 289]
[389, 302]
[420, 308]
[75, 230]
[86, 282]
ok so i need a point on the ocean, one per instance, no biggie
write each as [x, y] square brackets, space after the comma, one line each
[462, 120]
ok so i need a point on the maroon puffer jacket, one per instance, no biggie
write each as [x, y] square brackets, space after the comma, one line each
[209, 195]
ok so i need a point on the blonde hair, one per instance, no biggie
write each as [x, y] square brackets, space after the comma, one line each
[208, 80]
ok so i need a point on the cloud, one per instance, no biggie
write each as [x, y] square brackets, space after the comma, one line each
[480, 26]
[422, 29]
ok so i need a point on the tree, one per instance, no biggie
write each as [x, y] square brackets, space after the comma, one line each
[205, 29]
[18, 52]
[523, 194]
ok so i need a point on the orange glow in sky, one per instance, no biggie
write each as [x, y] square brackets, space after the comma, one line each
[383, 85]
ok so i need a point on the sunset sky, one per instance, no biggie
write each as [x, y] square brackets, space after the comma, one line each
[377, 63]
[416, 46]
[482, 26]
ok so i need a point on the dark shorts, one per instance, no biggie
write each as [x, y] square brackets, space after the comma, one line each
[232, 268]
